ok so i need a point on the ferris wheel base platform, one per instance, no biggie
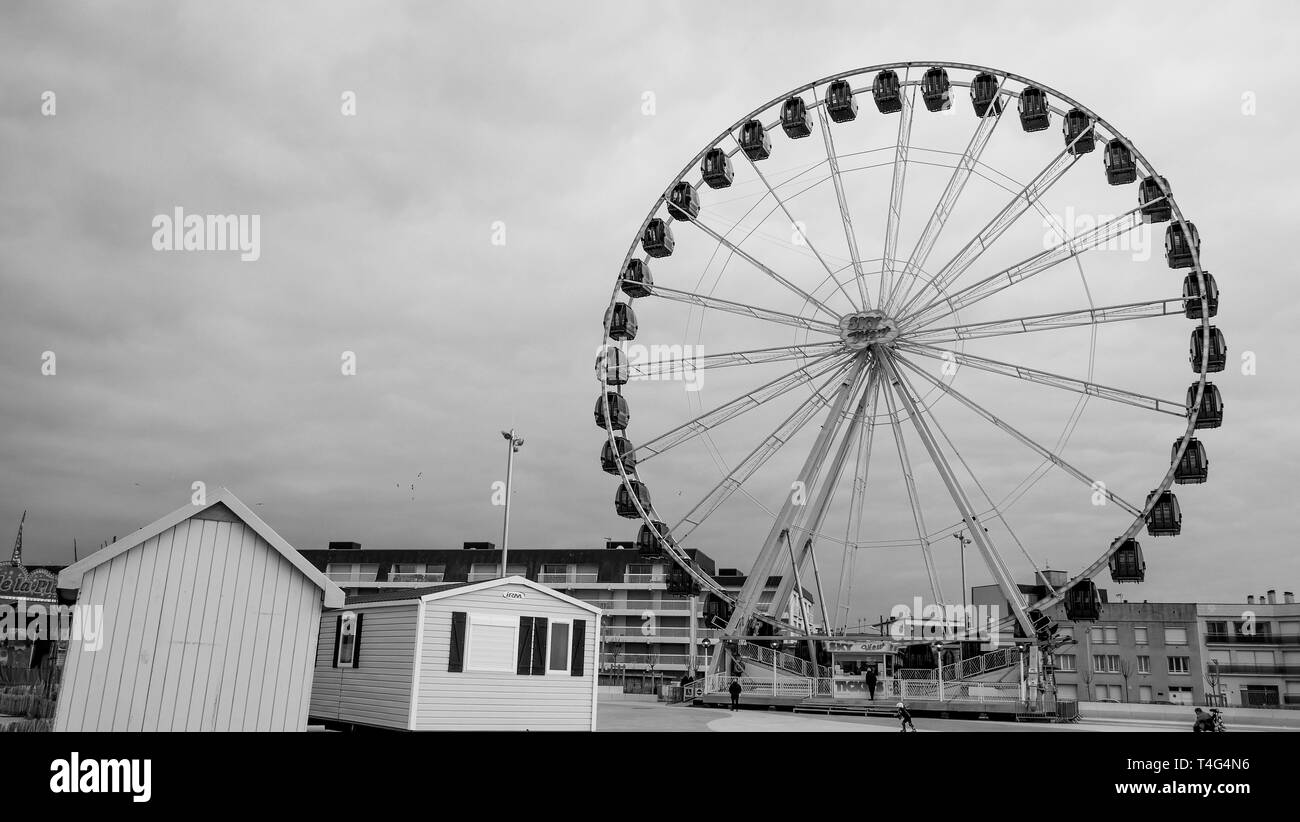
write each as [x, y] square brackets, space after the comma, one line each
[885, 706]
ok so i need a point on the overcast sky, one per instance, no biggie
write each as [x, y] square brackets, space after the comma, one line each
[376, 238]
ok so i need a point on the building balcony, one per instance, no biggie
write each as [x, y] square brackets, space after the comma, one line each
[1265, 668]
[426, 579]
[1249, 639]
[567, 579]
[621, 633]
[630, 579]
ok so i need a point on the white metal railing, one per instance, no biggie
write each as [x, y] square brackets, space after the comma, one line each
[919, 674]
[650, 660]
[629, 578]
[553, 579]
[653, 605]
[992, 661]
[650, 632]
[908, 689]
[415, 577]
[353, 578]
[778, 659]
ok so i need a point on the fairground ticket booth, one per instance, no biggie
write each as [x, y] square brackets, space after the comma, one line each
[850, 661]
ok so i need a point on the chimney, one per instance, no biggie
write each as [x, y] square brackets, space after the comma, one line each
[1250, 600]
[1288, 597]
[1272, 597]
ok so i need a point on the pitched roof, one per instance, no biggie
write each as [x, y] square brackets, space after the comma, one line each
[70, 577]
[452, 588]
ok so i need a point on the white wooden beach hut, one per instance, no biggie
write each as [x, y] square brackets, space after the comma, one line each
[504, 654]
[209, 623]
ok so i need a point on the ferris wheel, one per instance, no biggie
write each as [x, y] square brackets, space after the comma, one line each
[853, 261]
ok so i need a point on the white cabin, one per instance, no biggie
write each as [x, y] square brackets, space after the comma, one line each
[505, 654]
[209, 623]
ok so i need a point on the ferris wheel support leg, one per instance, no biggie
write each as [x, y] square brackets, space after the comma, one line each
[1001, 575]
[803, 531]
[747, 599]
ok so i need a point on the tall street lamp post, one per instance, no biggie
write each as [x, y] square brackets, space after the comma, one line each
[515, 443]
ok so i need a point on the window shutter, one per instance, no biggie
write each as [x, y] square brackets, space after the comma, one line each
[579, 647]
[539, 646]
[525, 646]
[356, 642]
[456, 661]
[338, 637]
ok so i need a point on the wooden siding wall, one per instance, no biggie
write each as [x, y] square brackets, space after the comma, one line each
[480, 700]
[206, 628]
[377, 691]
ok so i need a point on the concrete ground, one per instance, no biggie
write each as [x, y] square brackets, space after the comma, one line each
[657, 716]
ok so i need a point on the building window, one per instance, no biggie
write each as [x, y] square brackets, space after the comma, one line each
[347, 640]
[1140, 636]
[1065, 662]
[1070, 692]
[559, 647]
[1114, 692]
[1179, 665]
[1106, 663]
[1216, 628]
[1175, 636]
[492, 642]
[1144, 693]
[1252, 628]
[1066, 632]
[1105, 636]
[1144, 664]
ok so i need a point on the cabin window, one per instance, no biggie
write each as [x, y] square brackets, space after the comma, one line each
[559, 647]
[492, 640]
[347, 640]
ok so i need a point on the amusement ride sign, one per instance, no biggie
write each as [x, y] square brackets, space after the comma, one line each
[17, 581]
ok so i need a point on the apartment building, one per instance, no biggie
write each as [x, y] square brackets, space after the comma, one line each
[1146, 652]
[644, 629]
[1252, 650]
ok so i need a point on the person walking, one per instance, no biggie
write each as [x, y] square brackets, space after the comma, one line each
[734, 690]
[904, 718]
[871, 683]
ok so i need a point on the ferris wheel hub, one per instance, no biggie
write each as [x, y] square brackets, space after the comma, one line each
[862, 329]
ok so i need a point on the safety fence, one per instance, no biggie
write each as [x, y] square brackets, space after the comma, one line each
[907, 690]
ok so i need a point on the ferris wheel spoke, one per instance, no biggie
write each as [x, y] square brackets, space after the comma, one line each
[909, 481]
[853, 527]
[979, 535]
[749, 258]
[1046, 322]
[947, 202]
[902, 147]
[685, 364]
[745, 402]
[774, 441]
[850, 236]
[797, 226]
[1025, 199]
[1078, 386]
[1023, 270]
[733, 307]
[993, 507]
[1015, 433]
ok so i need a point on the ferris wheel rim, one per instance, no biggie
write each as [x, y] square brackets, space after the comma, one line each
[1055, 595]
